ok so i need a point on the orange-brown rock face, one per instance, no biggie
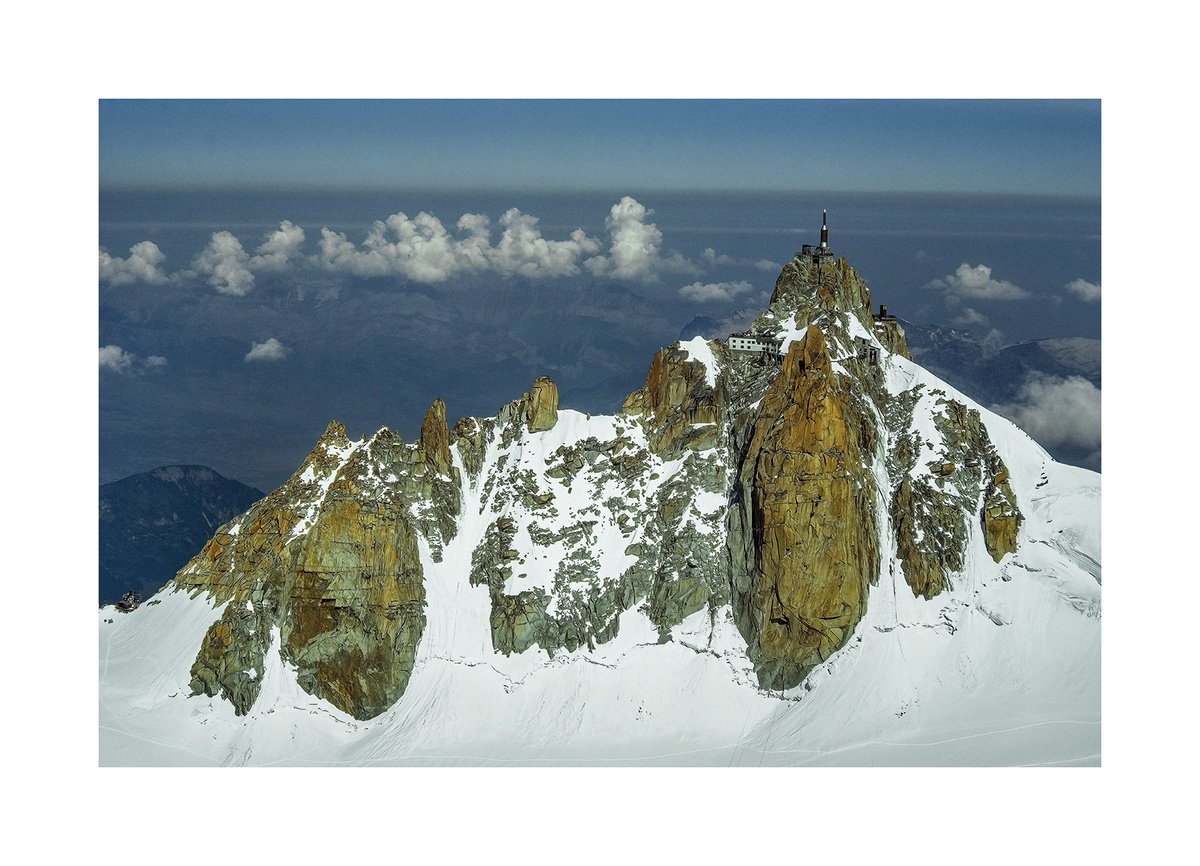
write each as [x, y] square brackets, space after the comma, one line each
[329, 561]
[891, 337]
[681, 410]
[1000, 516]
[356, 606]
[542, 413]
[814, 544]
[435, 437]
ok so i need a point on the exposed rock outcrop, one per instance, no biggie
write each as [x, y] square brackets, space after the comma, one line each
[542, 411]
[435, 437]
[329, 562]
[1000, 516]
[933, 498]
[741, 480]
[812, 292]
[891, 336]
[677, 405]
[807, 504]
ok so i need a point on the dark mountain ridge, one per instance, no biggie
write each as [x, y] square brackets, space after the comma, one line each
[153, 522]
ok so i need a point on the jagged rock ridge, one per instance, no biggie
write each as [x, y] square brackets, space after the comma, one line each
[770, 492]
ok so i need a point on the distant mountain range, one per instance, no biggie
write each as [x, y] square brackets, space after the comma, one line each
[993, 374]
[151, 524]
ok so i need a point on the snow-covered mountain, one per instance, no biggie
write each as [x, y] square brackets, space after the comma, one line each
[824, 555]
[152, 523]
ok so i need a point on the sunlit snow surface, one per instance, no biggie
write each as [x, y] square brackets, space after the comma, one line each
[1002, 669]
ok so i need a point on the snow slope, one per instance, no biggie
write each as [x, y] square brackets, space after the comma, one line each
[1002, 669]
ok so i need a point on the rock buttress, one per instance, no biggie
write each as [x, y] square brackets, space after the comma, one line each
[680, 410]
[1000, 516]
[933, 501]
[357, 605]
[435, 437]
[805, 523]
[330, 561]
[542, 410]
[808, 291]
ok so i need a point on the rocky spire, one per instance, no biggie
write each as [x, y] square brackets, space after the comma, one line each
[807, 532]
[541, 413]
[435, 437]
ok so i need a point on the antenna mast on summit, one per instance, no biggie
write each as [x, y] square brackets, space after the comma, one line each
[822, 250]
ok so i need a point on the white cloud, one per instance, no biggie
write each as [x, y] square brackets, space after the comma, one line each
[522, 249]
[143, 265]
[271, 350]
[418, 248]
[635, 248]
[975, 282]
[716, 292]
[1057, 411]
[115, 359]
[1084, 290]
[966, 317]
[710, 258]
[993, 342]
[279, 249]
[473, 250]
[422, 249]
[226, 265]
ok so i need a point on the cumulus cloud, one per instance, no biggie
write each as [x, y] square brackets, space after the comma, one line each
[1057, 411]
[114, 359]
[270, 350]
[962, 316]
[144, 265]
[710, 258]
[1084, 290]
[419, 248]
[226, 265]
[976, 282]
[280, 248]
[635, 246]
[424, 250]
[522, 250]
[714, 292]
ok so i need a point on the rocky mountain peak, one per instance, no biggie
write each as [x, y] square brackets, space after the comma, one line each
[335, 435]
[191, 474]
[434, 443]
[542, 409]
[767, 492]
[807, 289]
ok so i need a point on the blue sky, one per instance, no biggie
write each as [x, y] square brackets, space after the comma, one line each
[1027, 146]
